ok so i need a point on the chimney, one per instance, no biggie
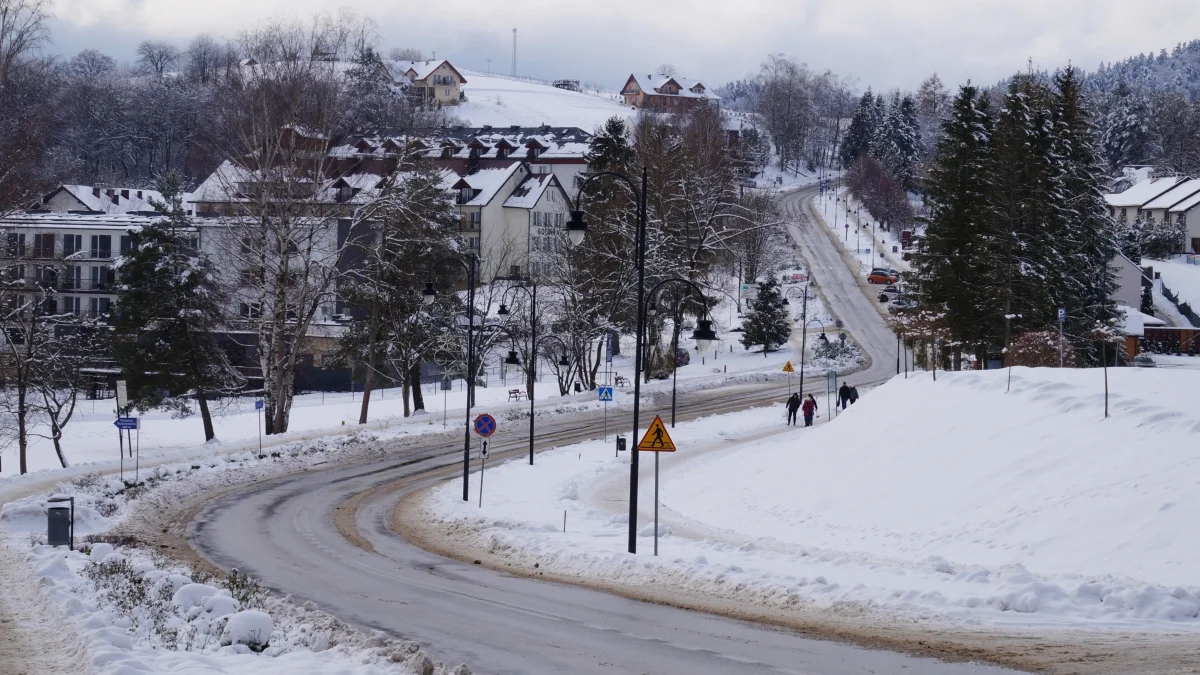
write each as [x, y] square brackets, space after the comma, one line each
[96, 192]
[139, 194]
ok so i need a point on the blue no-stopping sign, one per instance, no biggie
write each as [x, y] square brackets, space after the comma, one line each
[485, 425]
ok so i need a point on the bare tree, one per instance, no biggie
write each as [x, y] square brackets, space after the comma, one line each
[203, 59]
[667, 70]
[156, 56]
[406, 54]
[23, 30]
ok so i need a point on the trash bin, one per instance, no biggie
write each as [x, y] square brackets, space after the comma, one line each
[620, 444]
[60, 522]
[578, 388]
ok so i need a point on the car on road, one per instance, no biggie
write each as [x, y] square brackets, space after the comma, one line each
[900, 302]
[1144, 361]
[682, 357]
[882, 276]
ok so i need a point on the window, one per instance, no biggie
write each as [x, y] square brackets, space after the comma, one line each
[43, 245]
[447, 91]
[251, 310]
[102, 278]
[1195, 244]
[49, 305]
[98, 306]
[15, 273]
[473, 220]
[72, 277]
[46, 275]
[126, 244]
[72, 243]
[16, 245]
[70, 304]
[101, 246]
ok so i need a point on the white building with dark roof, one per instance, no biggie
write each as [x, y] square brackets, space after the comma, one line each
[100, 199]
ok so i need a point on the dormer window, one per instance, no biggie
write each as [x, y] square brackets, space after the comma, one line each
[465, 194]
[501, 153]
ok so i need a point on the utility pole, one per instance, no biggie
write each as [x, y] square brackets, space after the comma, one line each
[514, 63]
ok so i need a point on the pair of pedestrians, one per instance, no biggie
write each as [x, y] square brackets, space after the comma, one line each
[847, 395]
[809, 407]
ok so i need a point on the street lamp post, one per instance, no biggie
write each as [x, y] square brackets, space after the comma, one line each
[512, 363]
[428, 295]
[503, 311]
[703, 334]
[804, 345]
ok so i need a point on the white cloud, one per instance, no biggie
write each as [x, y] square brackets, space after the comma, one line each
[883, 44]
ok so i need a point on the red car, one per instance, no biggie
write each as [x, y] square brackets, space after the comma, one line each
[882, 277]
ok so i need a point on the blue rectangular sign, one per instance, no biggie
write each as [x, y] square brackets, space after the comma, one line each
[125, 423]
[258, 404]
[605, 393]
[608, 352]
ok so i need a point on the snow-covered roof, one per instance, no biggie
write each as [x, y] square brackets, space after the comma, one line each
[487, 182]
[217, 187]
[652, 83]
[1186, 204]
[487, 142]
[417, 70]
[1143, 192]
[1175, 195]
[530, 191]
[1134, 322]
[109, 200]
[75, 221]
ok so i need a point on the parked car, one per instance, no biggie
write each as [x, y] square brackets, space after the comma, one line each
[682, 357]
[881, 276]
[1144, 361]
[901, 302]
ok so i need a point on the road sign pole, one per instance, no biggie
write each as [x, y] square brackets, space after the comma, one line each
[260, 433]
[656, 502]
[606, 421]
[482, 468]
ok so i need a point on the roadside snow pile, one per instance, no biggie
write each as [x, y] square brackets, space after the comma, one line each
[947, 500]
[140, 612]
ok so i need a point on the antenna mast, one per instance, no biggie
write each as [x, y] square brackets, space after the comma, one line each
[514, 64]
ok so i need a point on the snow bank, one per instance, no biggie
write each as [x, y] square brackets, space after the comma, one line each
[948, 500]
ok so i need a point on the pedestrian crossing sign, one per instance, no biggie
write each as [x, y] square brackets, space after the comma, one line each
[657, 439]
[787, 367]
[605, 393]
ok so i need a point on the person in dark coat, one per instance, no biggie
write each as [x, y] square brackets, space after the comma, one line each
[844, 395]
[793, 404]
[810, 409]
[853, 395]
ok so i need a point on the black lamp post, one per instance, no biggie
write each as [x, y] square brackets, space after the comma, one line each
[427, 296]
[513, 363]
[804, 345]
[703, 334]
[576, 228]
[503, 311]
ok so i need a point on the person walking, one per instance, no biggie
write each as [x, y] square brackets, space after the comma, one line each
[810, 409]
[793, 404]
[853, 395]
[844, 395]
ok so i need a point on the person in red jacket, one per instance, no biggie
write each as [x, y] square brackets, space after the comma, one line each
[810, 409]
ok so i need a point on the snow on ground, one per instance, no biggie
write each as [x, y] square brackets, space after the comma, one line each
[136, 611]
[502, 102]
[946, 501]
[1181, 277]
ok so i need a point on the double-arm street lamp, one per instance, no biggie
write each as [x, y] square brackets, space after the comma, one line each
[513, 363]
[703, 334]
[804, 328]
[531, 291]
[471, 265]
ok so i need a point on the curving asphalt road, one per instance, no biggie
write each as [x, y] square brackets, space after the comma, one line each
[283, 532]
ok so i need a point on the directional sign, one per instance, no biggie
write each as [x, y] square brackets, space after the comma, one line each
[126, 423]
[787, 367]
[258, 404]
[483, 450]
[485, 425]
[657, 439]
[605, 393]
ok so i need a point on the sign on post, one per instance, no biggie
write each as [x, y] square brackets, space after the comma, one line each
[657, 439]
[604, 393]
[126, 423]
[608, 349]
[485, 425]
[258, 404]
[483, 450]
[1062, 315]
[830, 389]
[787, 367]
[122, 395]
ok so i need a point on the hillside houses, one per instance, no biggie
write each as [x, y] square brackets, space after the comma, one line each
[431, 81]
[666, 93]
[1173, 198]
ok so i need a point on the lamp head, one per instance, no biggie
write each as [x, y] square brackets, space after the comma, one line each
[824, 340]
[503, 311]
[511, 363]
[563, 362]
[428, 295]
[704, 335]
[576, 228]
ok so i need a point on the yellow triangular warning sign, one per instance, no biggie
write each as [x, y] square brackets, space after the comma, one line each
[657, 439]
[787, 367]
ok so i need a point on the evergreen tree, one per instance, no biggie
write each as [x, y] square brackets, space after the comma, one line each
[1091, 232]
[168, 309]
[1127, 136]
[859, 135]
[767, 322]
[950, 260]
[610, 148]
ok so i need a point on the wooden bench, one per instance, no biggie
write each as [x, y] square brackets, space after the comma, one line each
[621, 381]
[516, 395]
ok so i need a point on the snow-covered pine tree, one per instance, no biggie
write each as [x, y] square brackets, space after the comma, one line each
[908, 141]
[767, 322]
[1127, 137]
[1090, 232]
[858, 136]
[169, 307]
[949, 262]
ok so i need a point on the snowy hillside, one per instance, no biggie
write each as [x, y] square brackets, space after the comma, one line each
[502, 102]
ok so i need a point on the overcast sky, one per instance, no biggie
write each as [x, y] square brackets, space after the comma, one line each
[883, 44]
